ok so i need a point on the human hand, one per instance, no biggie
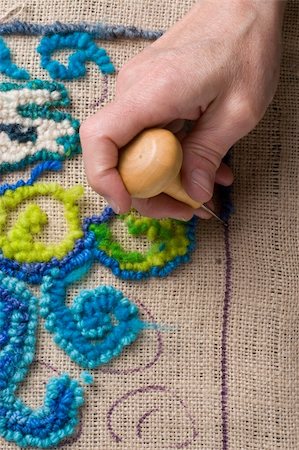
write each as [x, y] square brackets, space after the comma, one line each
[218, 67]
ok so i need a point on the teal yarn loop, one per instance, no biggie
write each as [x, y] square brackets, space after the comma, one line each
[86, 50]
[98, 325]
[7, 67]
[86, 378]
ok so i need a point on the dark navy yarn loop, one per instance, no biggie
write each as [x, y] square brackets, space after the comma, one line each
[17, 133]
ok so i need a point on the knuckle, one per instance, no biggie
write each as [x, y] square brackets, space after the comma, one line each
[206, 153]
[129, 73]
[93, 181]
[97, 183]
[160, 82]
[248, 113]
[168, 79]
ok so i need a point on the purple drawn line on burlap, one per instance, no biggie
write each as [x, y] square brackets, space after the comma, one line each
[224, 337]
[112, 371]
[104, 94]
[143, 419]
[142, 390]
[42, 363]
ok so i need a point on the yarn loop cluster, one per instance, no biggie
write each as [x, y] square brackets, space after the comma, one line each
[87, 50]
[98, 325]
[171, 243]
[31, 126]
[7, 67]
[101, 322]
[18, 243]
[58, 417]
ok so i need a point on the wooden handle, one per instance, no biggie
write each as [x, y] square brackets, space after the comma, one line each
[151, 164]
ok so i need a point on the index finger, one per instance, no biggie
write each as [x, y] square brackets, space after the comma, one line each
[101, 137]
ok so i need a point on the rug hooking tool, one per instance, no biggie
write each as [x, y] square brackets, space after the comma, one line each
[150, 164]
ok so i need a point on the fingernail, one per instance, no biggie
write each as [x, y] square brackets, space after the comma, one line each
[113, 205]
[202, 179]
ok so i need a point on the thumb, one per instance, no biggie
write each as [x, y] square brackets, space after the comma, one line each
[215, 132]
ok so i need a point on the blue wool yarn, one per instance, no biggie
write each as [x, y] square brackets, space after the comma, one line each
[7, 67]
[87, 50]
[35, 174]
[45, 166]
[106, 215]
[86, 377]
[58, 417]
[97, 30]
[81, 254]
[86, 330]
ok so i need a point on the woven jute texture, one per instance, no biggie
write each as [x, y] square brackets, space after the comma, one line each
[225, 374]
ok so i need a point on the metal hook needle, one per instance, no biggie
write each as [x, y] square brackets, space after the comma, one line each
[206, 208]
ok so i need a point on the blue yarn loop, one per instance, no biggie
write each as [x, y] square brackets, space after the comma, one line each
[7, 67]
[45, 166]
[35, 174]
[98, 325]
[86, 50]
[58, 417]
[86, 378]
[97, 30]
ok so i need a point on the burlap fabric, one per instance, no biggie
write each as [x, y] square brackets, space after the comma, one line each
[225, 374]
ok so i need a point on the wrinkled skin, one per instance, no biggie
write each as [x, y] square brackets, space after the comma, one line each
[218, 67]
